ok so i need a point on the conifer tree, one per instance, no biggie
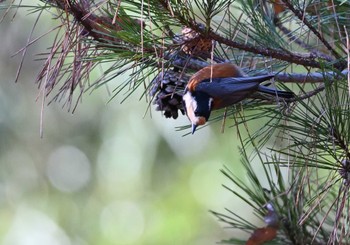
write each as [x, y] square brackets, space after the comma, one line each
[302, 143]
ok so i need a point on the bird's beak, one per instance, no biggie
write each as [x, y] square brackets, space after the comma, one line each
[194, 126]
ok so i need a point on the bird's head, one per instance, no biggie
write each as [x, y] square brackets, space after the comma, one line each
[198, 107]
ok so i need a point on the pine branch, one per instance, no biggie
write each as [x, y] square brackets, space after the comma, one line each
[303, 18]
[309, 60]
[311, 77]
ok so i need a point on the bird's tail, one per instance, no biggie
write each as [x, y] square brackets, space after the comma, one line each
[276, 92]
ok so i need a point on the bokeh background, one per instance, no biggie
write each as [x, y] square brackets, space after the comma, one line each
[108, 174]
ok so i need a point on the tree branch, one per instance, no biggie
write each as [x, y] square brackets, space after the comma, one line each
[309, 60]
[312, 77]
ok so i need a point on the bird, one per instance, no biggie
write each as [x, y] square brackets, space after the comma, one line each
[221, 85]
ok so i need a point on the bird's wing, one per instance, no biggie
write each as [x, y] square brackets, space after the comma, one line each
[231, 86]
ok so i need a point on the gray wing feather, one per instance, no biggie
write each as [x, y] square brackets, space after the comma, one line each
[231, 86]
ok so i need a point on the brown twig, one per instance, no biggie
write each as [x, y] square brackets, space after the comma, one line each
[308, 94]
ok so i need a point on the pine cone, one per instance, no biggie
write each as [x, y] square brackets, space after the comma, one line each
[193, 43]
[167, 90]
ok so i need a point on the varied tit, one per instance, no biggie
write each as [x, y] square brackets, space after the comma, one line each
[218, 86]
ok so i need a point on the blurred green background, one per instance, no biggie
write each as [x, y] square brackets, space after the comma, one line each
[105, 174]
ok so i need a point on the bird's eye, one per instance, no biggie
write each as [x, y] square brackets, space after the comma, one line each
[196, 113]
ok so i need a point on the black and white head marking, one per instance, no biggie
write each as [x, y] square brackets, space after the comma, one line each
[198, 106]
